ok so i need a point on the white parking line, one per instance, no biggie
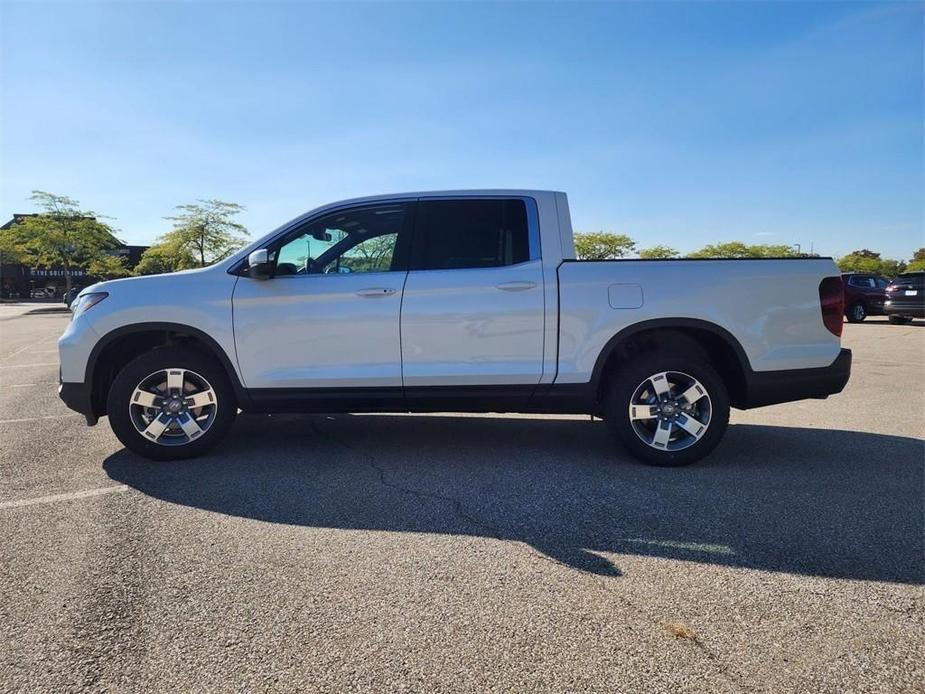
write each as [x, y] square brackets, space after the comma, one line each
[36, 419]
[61, 497]
[18, 351]
[22, 366]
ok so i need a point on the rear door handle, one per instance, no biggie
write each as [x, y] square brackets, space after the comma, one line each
[515, 286]
[373, 292]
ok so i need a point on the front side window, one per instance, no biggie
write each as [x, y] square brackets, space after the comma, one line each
[355, 240]
[452, 234]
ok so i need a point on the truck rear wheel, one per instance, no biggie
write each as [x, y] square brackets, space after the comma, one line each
[171, 403]
[668, 410]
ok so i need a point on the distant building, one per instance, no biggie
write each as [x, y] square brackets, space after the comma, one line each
[18, 281]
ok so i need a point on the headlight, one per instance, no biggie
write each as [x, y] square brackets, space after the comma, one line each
[87, 301]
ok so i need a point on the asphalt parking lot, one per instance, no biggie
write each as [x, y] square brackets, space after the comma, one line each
[456, 552]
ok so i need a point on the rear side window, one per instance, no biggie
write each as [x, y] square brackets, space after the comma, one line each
[453, 234]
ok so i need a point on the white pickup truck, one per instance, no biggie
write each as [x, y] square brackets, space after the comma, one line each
[466, 301]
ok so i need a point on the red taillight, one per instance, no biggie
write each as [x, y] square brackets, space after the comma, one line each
[832, 299]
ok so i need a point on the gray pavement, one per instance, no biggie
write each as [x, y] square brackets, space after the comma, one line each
[467, 552]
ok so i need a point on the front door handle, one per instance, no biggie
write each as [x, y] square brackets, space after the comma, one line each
[515, 286]
[373, 292]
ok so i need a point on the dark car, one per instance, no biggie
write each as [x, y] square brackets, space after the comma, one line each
[905, 297]
[864, 295]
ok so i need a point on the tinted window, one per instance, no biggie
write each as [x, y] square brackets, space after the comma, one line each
[471, 233]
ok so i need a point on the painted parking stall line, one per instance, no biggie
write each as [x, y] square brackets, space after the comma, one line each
[38, 419]
[23, 366]
[70, 496]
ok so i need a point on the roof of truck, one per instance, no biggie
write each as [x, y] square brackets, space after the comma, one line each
[471, 192]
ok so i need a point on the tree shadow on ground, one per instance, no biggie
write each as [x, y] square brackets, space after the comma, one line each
[809, 501]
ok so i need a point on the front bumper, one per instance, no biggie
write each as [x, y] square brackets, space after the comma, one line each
[772, 387]
[77, 397]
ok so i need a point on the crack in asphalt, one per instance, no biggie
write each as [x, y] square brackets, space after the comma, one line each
[723, 669]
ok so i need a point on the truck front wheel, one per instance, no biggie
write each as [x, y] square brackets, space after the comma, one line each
[667, 410]
[171, 403]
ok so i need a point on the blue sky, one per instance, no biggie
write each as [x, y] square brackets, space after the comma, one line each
[682, 124]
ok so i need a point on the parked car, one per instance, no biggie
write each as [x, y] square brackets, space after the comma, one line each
[906, 297]
[42, 293]
[864, 296]
[462, 301]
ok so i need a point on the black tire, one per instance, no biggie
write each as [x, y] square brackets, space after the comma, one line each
[624, 386]
[900, 320]
[856, 313]
[141, 368]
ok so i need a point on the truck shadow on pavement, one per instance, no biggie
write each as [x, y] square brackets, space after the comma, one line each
[808, 501]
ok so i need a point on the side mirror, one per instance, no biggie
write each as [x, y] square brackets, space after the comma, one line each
[258, 264]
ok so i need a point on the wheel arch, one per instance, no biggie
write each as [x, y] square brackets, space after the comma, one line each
[119, 346]
[688, 335]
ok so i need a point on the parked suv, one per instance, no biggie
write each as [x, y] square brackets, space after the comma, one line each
[906, 297]
[864, 296]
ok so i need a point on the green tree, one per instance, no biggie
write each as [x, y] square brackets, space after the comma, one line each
[603, 245]
[868, 261]
[206, 230]
[918, 261]
[164, 257]
[658, 252]
[108, 267]
[737, 249]
[60, 235]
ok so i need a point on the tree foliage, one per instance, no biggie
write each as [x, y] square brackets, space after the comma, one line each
[108, 267]
[918, 260]
[868, 261]
[658, 252]
[737, 249]
[603, 245]
[164, 257]
[60, 235]
[206, 230]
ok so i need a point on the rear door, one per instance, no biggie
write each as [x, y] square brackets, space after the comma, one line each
[473, 306]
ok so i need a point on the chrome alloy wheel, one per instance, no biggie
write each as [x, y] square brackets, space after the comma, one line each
[173, 406]
[670, 411]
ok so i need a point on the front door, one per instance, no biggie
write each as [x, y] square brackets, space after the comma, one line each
[329, 315]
